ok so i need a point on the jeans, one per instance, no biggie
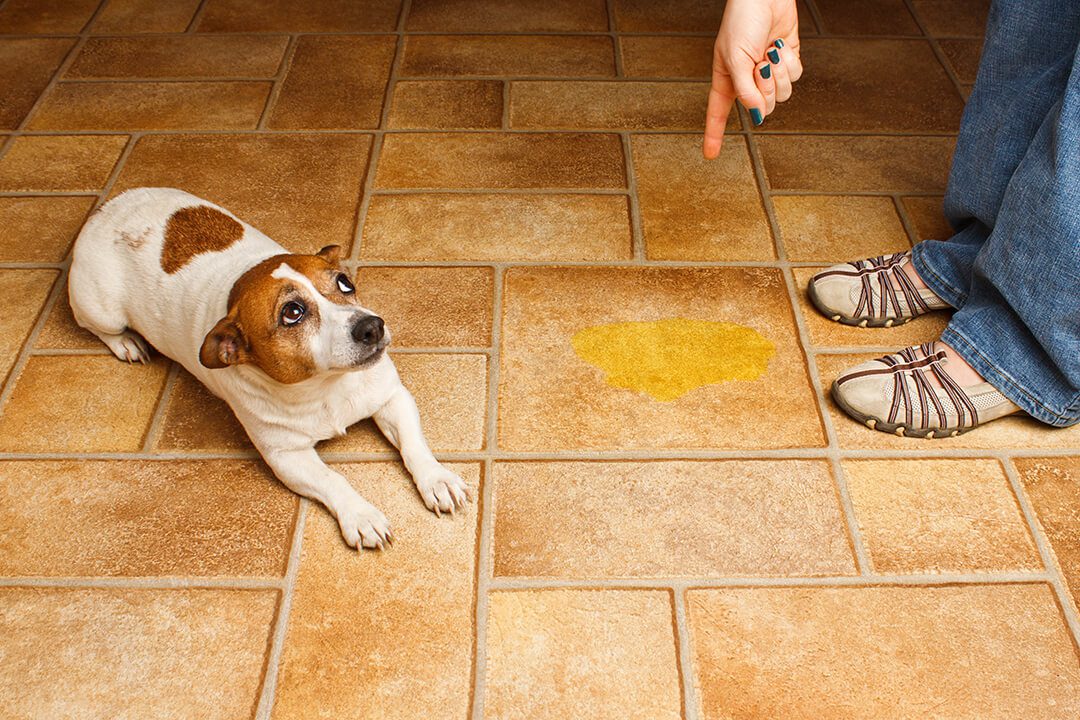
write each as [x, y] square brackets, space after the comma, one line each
[1012, 269]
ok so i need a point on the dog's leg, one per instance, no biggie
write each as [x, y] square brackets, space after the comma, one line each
[399, 420]
[304, 472]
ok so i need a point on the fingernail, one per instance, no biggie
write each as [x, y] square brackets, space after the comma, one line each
[774, 56]
[766, 71]
[779, 42]
[755, 116]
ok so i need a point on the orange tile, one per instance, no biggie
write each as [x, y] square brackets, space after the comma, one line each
[137, 518]
[668, 519]
[301, 190]
[396, 625]
[1052, 486]
[124, 652]
[866, 17]
[551, 653]
[180, 57]
[61, 332]
[153, 106]
[501, 160]
[667, 56]
[928, 217]
[697, 209]
[668, 16]
[883, 652]
[40, 229]
[335, 82]
[145, 16]
[26, 66]
[516, 55]
[195, 420]
[963, 56]
[551, 399]
[939, 516]
[870, 163]
[309, 16]
[450, 104]
[953, 17]
[607, 105]
[46, 17]
[428, 307]
[508, 16]
[26, 290]
[81, 404]
[839, 229]
[500, 227]
[60, 163]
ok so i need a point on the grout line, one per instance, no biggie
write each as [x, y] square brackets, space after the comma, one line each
[196, 18]
[151, 583]
[279, 81]
[484, 554]
[688, 583]
[616, 46]
[505, 105]
[637, 232]
[684, 659]
[936, 48]
[906, 221]
[158, 418]
[499, 33]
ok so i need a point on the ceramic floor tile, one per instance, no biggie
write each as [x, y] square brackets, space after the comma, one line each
[667, 16]
[197, 421]
[311, 16]
[46, 17]
[826, 333]
[502, 55]
[184, 56]
[145, 16]
[607, 105]
[908, 91]
[508, 16]
[449, 104]
[928, 217]
[953, 17]
[499, 227]
[60, 163]
[840, 164]
[80, 404]
[301, 190]
[398, 624]
[838, 228]
[1052, 486]
[667, 56]
[860, 17]
[963, 56]
[1008, 433]
[121, 652]
[645, 327]
[501, 160]
[26, 290]
[668, 519]
[428, 307]
[559, 653]
[138, 518]
[697, 209]
[335, 82]
[61, 332]
[939, 516]
[40, 229]
[26, 66]
[986, 651]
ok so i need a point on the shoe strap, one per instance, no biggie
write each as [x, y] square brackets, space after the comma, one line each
[915, 363]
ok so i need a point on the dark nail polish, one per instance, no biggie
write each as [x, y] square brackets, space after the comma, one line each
[779, 42]
[756, 117]
[774, 56]
[766, 71]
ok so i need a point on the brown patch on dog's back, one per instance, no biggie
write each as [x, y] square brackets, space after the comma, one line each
[196, 230]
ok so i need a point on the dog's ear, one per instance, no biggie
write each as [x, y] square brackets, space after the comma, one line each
[331, 254]
[225, 345]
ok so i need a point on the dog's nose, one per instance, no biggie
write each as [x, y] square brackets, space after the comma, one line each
[368, 330]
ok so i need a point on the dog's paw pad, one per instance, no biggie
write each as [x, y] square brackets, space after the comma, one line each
[443, 491]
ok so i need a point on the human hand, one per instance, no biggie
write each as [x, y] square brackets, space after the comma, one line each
[755, 59]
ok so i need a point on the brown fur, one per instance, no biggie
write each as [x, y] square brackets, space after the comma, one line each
[192, 231]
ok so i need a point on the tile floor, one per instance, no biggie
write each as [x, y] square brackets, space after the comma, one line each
[506, 174]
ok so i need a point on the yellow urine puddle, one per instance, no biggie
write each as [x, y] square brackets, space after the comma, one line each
[668, 358]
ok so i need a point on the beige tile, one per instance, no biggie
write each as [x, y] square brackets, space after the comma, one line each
[866, 17]
[559, 653]
[1052, 486]
[607, 105]
[429, 307]
[197, 421]
[939, 516]
[953, 17]
[508, 15]
[335, 82]
[309, 16]
[928, 217]
[45, 17]
[26, 290]
[826, 333]
[841, 164]
[122, 652]
[26, 66]
[302, 190]
[396, 625]
[501, 160]
[214, 56]
[839, 228]
[134, 518]
[81, 404]
[449, 104]
[61, 332]
[697, 209]
[145, 16]
[552, 399]
[152, 106]
[667, 16]
[667, 56]
[963, 56]
[500, 227]
[668, 519]
[60, 163]
[40, 229]
[501, 55]
[1008, 433]
[986, 651]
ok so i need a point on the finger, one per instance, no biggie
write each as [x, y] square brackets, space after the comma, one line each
[766, 84]
[791, 59]
[744, 72]
[716, 115]
[782, 76]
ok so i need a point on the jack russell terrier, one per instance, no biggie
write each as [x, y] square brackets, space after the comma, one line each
[280, 337]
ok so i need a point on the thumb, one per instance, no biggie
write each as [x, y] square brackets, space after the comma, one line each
[746, 89]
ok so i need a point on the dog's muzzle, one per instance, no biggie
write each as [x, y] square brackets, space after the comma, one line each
[369, 331]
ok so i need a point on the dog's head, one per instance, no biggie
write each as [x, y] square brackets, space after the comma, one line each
[295, 317]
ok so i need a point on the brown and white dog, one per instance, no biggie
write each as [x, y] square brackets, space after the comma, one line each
[282, 338]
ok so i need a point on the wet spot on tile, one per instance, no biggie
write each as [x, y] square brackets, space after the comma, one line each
[60, 162]
[26, 66]
[40, 229]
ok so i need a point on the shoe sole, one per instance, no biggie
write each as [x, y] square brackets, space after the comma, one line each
[849, 320]
[876, 423]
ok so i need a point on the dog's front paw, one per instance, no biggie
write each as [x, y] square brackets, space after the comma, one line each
[362, 525]
[442, 491]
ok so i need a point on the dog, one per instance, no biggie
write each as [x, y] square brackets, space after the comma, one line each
[282, 338]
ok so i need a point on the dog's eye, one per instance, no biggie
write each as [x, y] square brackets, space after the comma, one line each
[344, 285]
[292, 313]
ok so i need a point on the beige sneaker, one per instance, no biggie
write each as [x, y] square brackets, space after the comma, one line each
[871, 293]
[894, 394]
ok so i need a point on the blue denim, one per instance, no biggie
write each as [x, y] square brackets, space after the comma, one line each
[1012, 269]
